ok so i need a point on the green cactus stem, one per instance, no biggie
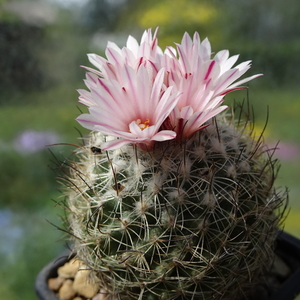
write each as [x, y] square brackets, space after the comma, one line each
[192, 219]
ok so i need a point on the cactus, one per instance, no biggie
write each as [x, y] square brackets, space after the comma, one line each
[191, 217]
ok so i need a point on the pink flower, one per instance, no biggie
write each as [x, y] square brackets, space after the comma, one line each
[140, 94]
[133, 111]
[202, 81]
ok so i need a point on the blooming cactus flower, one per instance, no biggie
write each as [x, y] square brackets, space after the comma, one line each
[140, 94]
[132, 111]
[203, 82]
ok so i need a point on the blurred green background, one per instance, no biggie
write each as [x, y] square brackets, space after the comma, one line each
[42, 45]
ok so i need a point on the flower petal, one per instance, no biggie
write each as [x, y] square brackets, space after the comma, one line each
[164, 135]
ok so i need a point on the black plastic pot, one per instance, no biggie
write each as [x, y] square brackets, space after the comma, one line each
[49, 271]
[288, 248]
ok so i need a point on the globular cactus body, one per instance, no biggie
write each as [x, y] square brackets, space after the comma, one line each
[189, 219]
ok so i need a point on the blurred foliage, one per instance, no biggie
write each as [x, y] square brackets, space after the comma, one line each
[266, 32]
[260, 21]
[53, 109]
[28, 173]
[277, 63]
[30, 243]
[20, 69]
[101, 15]
[64, 50]
[38, 58]
[173, 18]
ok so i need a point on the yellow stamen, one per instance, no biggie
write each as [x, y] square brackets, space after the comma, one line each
[143, 125]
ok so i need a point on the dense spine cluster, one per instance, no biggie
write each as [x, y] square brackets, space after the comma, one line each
[188, 219]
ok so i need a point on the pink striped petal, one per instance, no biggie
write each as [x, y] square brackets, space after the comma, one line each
[114, 144]
[164, 135]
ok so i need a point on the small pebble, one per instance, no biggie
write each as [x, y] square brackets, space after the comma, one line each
[66, 291]
[83, 284]
[55, 283]
[69, 269]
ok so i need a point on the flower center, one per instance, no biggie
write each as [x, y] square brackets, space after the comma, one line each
[144, 124]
